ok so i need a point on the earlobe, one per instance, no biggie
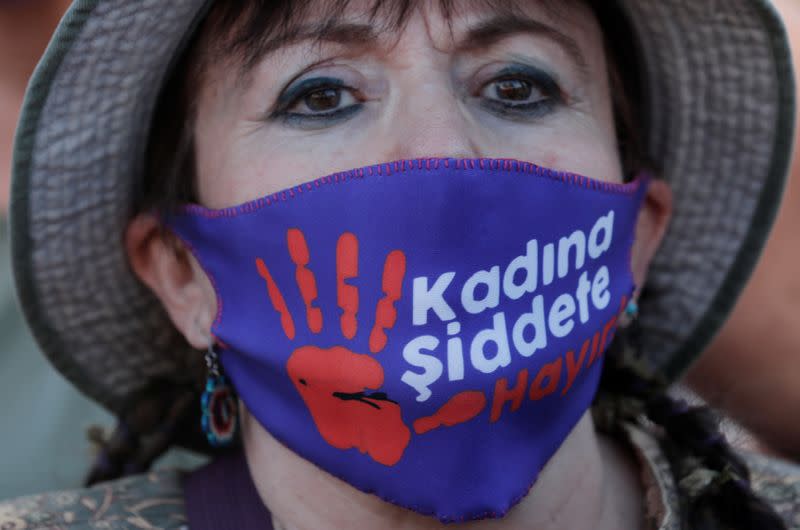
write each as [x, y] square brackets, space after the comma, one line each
[651, 226]
[163, 264]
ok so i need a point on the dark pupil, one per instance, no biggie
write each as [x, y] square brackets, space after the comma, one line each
[323, 99]
[513, 89]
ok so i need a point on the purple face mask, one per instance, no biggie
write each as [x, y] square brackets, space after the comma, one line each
[429, 331]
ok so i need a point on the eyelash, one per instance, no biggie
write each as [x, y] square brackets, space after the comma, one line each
[538, 80]
[552, 96]
[297, 93]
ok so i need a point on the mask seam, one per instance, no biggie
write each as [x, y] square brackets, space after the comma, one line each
[643, 184]
[404, 166]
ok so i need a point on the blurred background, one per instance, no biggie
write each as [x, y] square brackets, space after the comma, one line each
[751, 371]
[44, 441]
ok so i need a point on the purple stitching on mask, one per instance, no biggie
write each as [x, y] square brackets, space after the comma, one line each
[386, 168]
[642, 179]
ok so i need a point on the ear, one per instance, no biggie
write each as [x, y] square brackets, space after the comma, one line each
[163, 263]
[651, 226]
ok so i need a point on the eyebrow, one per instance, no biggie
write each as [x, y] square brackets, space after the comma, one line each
[493, 30]
[485, 34]
[349, 34]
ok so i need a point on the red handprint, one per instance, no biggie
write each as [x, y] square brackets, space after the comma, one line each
[335, 385]
[341, 388]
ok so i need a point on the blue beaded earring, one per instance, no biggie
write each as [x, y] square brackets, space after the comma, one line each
[629, 314]
[219, 405]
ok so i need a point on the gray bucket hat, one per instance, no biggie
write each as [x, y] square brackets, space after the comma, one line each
[719, 99]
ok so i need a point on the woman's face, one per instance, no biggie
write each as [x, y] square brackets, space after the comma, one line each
[477, 84]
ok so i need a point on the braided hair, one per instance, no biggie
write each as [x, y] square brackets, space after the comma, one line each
[160, 416]
[713, 480]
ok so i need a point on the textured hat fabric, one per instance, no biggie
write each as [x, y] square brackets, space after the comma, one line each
[721, 107]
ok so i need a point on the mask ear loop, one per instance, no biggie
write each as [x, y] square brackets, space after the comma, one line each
[219, 405]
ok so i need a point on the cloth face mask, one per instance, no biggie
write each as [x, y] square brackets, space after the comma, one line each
[429, 331]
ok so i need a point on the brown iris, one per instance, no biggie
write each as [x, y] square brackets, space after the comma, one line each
[324, 99]
[513, 90]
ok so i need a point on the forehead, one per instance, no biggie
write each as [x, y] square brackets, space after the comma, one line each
[246, 30]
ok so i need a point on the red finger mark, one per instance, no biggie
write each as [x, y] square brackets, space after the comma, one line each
[394, 270]
[275, 296]
[298, 251]
[347, 295]
[460, 409]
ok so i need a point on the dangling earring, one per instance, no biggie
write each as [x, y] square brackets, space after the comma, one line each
[629, 340]
[219, 404]
[629, 314]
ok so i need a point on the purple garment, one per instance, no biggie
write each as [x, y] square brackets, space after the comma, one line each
[222, 496]
[429, 331]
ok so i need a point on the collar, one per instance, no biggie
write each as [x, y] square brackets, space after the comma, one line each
[222, 496]
[662, 503]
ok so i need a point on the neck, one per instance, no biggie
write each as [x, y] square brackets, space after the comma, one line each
[25, 29]
[589, 483]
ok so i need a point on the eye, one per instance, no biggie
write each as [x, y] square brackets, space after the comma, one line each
[317, 102]
[521, 92]
[511, 90]
[324, 99]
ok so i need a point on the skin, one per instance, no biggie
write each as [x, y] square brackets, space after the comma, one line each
[424, 94]
[751, 369]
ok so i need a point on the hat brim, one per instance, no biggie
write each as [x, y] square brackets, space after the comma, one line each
[719, 84]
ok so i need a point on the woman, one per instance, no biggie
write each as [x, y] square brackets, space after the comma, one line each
[418, 341]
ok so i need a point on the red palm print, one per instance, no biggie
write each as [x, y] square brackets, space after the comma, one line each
[341, 388]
